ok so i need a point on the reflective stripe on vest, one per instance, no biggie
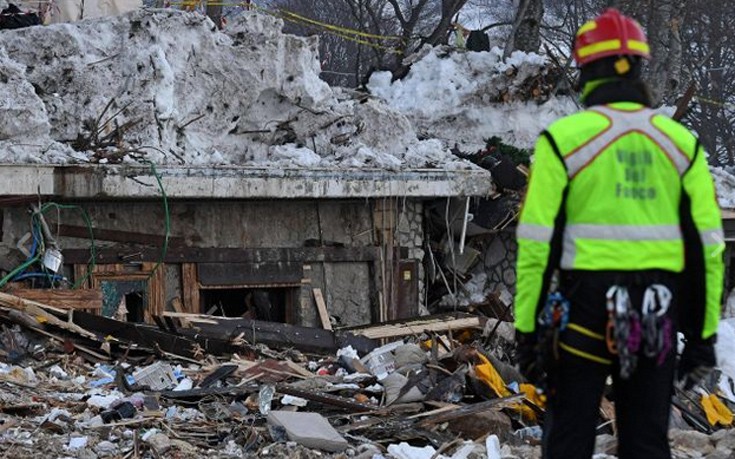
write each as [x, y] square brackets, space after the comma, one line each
[621, 124]
[613, 233]
[538, 233]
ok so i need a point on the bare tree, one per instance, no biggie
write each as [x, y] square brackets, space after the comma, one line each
[526, 34]
[707, 38]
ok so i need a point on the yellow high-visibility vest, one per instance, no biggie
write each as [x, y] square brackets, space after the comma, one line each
[612, 188]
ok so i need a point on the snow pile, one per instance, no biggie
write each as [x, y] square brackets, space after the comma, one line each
[465, 97]
[168, 87]
[725, 185]
[725, 348]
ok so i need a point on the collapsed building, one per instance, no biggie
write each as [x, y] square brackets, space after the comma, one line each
[175, 193]
[264, 178]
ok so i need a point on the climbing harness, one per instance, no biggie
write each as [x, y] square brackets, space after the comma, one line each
[657, 325]
[553, 319]
[623, 331]
[628, 332]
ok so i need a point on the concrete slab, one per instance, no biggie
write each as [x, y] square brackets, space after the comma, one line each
[229, 182]
[309, 429]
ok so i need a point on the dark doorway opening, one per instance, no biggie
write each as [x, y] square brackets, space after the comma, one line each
[270, 304]
[135, 305]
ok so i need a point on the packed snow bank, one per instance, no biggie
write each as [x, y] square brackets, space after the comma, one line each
[725, 185]
[464, 97]
[168, 87]
[726, 356]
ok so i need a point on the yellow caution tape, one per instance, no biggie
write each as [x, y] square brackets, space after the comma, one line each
[718, 103]
[356, 36]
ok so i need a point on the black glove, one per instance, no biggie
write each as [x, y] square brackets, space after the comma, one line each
[697, 362]
[529, 358]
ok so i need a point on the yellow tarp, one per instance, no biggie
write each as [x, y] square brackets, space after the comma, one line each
[487, 373]
[717, 412]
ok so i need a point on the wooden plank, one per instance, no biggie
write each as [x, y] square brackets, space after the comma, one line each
[190, 288]
[41, 312]
[227, 255]
[63, 298]
[80, 272]
[441, 415]
[249, 273]
[156, 289]
[413, 327]
[321, 306]
[82, 232]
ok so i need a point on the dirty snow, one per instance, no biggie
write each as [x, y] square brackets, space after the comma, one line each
[725, 185]
[452, 96]
[178, 91]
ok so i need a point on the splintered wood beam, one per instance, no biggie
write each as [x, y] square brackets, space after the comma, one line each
[416, 327]
[321, 306]
[327, 399]
[62, 298]
[443, 415]
[41, 312]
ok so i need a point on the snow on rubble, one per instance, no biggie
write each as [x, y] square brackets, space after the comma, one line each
[168, 87]
[464, 97]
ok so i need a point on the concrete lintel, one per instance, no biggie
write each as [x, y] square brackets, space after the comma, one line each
[126, 182]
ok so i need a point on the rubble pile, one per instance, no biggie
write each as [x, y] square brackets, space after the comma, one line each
[79, 385]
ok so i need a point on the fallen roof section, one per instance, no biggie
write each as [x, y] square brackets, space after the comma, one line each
[228, 182]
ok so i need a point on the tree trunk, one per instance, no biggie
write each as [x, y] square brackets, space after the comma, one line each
[664, 72]
[662, 20]
[526, 33]
[215, 13]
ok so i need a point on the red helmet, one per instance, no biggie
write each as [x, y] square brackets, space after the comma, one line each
[610, 34]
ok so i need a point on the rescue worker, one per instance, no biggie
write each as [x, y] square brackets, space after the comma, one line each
[621, 206]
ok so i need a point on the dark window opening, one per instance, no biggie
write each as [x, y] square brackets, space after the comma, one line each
[135, 305]
[270, 304]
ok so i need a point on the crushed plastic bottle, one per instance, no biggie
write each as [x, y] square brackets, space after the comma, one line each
[265, 397]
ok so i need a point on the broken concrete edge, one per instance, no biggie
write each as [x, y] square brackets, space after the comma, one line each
[309, 429]
[228, 182]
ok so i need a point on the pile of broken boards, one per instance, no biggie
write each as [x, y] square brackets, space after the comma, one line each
[86, 386]
[81, 385]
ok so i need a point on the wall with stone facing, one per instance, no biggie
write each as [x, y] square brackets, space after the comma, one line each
[499, 260]
[410, 234]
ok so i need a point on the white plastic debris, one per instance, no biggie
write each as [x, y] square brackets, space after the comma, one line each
[185, 384]
[265, 397]
[77, 442]
[380, 362]
[149, 434]
[159, 376]
[294, 401]
[492, 444]
[58, 372]
[348, 351]
[405, 451]
[103, 401]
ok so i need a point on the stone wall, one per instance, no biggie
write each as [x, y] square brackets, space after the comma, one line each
[499, 259]
[410, 234]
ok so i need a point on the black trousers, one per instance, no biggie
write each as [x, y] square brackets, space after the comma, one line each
[576, 385]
